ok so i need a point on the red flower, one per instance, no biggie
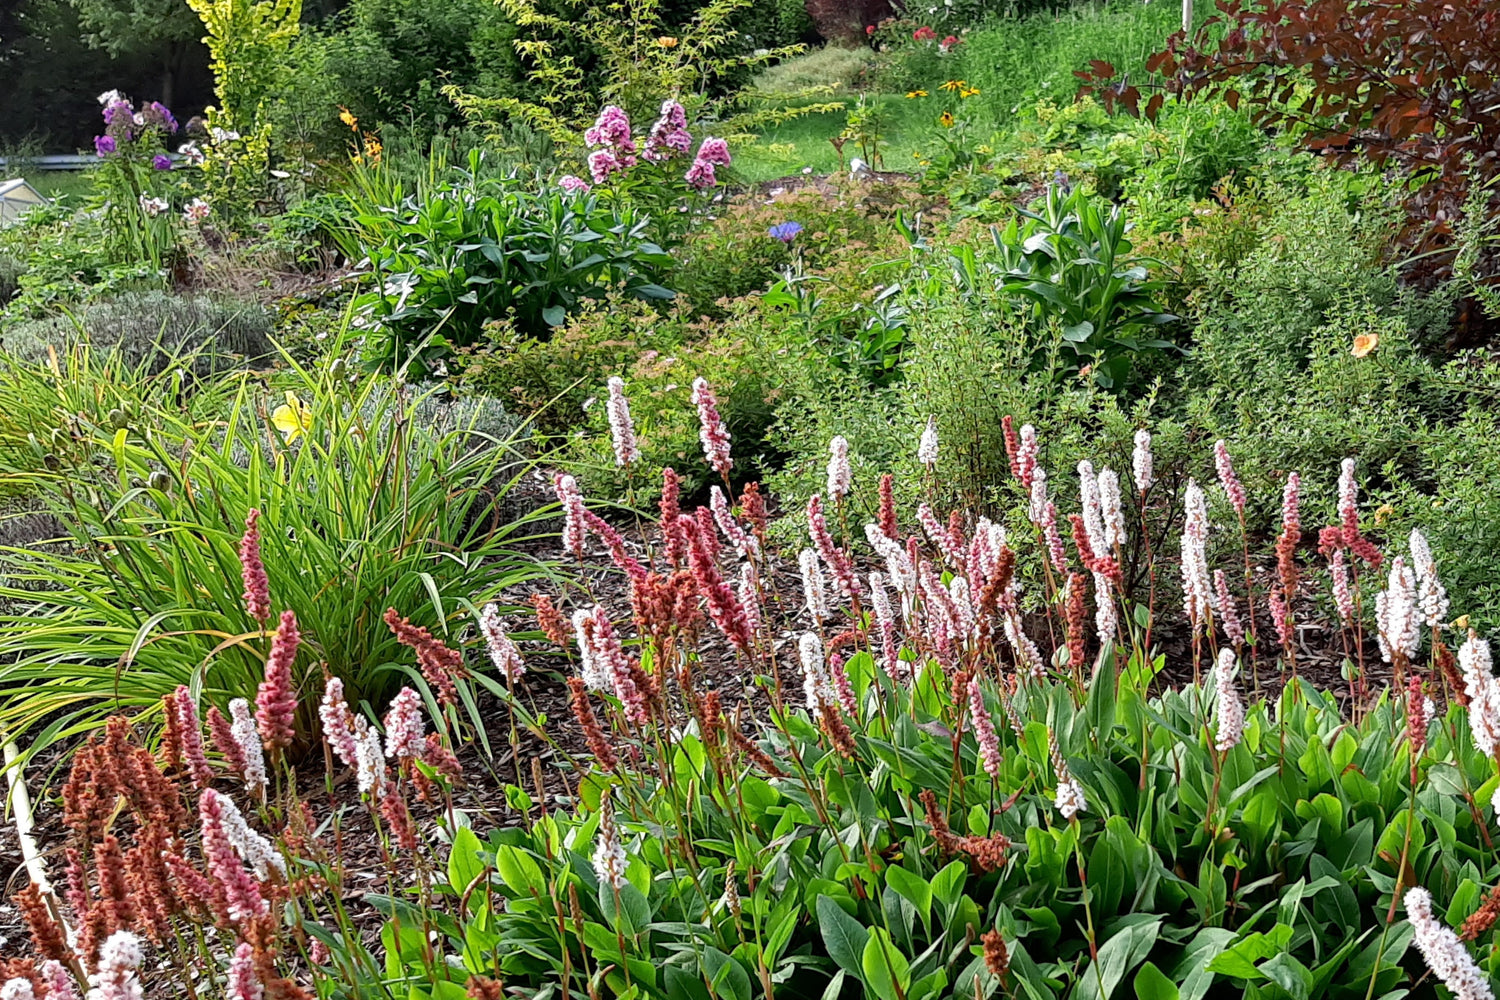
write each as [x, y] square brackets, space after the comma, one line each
[869, 29]
[923, 34]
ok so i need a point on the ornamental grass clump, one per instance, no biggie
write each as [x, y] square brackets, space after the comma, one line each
[200, 549]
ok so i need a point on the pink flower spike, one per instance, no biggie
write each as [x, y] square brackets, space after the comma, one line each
[338, 723]
[847, 700]
[241, 892]
[405, 726]
[621, 428]
[247, 736]
[984, 730]
[711, 429]
[190, 731]
[257, 594]
[839, 563]
[1228, 479]
[575, 515]
[502, 649]
[611, 656]
[243, 983]
[276, 700]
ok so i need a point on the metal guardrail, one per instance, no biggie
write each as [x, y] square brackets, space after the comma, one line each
[56, 161]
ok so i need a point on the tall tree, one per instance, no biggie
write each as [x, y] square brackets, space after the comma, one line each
[167, 27]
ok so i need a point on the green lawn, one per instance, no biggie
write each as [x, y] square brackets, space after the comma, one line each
[804, 142]
[52, 183]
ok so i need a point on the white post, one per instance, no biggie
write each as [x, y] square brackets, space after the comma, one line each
[1187, 16]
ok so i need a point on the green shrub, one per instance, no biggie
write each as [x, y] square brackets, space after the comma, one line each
[11, 270]
[454, 257]
[375, 499]
[833, 66]
[153, 330]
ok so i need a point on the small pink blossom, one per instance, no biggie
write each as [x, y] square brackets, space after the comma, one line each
[405, 726]
[984, 730]
[575, 514]
[257, 594]
[502, 649]
[1228, 479]
[621, 429]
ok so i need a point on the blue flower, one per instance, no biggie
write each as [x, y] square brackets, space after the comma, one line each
[785, 231]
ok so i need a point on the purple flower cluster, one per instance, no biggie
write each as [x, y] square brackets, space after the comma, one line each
[669, 136]
[122, 123]
[573, 185]
[104, 145]
[712, 153]
[617, 152]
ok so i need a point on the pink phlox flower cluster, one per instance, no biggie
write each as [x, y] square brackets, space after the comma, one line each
[711, 153]
[964, 619]
[749, 595]
[984, 730]
[1228, 479]
[1443, 952]
[1140, 461]
[1397, 619]
[1057, 552]
[669, 135]
[1229, 710]
[621, 429]
[1069, 797]
[1028, 657]
[247, 735]
[898, 564]
[711, 430]
[572, 184]
[611, 654]
[1093, 514]
[405, 726]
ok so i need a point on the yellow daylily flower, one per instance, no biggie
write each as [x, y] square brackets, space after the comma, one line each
[347, 117]
[292, 418]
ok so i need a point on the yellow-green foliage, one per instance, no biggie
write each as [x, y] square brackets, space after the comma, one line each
[832, 66]
[247, 42]
[644, 60]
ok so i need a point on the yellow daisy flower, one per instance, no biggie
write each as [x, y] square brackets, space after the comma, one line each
[292, 418]
[968, 92]
[946, 119]
[667, 42]
[915, 93]
[953, 85]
